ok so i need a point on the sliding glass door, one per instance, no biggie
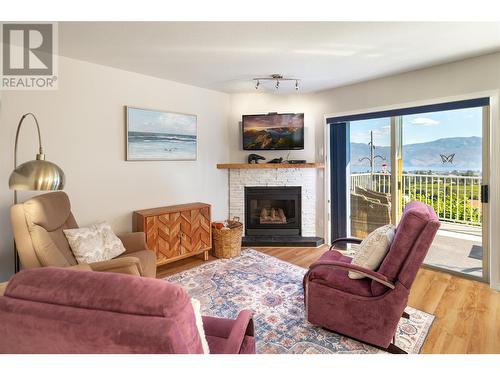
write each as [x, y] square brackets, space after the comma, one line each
[369, 174]
[443, 167]
[432, 154]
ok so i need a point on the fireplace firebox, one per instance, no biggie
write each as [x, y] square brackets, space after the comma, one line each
[273, 211]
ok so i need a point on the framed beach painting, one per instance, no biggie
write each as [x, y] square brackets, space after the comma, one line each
[160, 135]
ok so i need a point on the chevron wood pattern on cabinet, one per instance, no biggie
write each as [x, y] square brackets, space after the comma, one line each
[176, 232]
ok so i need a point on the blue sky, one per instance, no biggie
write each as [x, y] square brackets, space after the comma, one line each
[423, 127]
[141, 120]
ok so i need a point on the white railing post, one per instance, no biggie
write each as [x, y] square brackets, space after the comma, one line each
[381, 182]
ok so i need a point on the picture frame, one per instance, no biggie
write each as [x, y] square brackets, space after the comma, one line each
[158, 135]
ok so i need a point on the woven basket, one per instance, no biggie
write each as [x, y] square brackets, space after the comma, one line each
[227, 242]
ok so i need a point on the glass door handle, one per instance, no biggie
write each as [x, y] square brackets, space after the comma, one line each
[484, 193]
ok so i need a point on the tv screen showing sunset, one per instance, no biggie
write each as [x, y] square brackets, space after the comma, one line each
[273, 132]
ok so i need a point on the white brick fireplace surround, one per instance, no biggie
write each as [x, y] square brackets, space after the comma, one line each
[303, 177]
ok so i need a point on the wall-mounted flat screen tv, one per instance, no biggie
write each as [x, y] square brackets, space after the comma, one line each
[273, 131]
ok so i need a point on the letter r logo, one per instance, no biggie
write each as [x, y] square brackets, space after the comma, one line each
[27, 49]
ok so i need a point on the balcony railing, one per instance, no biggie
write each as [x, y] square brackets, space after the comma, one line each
[455, 199]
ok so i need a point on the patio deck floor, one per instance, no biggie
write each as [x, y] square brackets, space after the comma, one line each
[457, 247]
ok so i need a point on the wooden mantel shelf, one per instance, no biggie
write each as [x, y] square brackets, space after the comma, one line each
[269, 166]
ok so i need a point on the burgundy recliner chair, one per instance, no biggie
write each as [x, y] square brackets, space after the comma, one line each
[369, 309]
[60, 310]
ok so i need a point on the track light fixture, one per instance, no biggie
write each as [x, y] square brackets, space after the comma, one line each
[277, 78]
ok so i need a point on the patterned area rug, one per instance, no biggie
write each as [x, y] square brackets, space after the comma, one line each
[273, 290]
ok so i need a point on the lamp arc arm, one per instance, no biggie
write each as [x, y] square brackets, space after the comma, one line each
[17, 136]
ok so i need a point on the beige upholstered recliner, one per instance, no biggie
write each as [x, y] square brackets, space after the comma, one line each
[38, 227]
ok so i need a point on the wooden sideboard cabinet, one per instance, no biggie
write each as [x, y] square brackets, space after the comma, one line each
[176, 232]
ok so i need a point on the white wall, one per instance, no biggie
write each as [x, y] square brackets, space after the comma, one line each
[83, 130]
[247, 104]
[259, 103]
[440, 82]
[447, 80]
[464, 79]
[453, 81]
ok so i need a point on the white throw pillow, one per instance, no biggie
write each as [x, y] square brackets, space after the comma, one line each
[373, 249]
[96, 243]
[199, 324]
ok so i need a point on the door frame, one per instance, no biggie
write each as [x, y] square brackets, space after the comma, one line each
[339, 229]
[492, 233]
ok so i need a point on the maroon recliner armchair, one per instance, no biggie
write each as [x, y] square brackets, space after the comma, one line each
[369, 309]
[60, 310]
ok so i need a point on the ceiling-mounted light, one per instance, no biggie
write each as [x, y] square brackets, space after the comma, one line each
[277, 78]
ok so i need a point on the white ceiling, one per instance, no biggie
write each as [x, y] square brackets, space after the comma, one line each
[225, 56]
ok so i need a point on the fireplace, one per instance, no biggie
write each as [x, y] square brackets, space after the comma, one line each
[273, 211]
[279, 182]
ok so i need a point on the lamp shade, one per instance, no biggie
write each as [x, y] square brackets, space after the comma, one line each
[37, 175]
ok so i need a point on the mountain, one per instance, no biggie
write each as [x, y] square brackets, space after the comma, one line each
[276, 138]
[425, 156]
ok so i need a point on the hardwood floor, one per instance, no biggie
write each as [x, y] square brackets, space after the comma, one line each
[467, 312]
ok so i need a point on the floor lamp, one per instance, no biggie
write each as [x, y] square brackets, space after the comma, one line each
[38, 174]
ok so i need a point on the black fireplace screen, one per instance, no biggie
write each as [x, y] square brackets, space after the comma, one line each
[273, 210]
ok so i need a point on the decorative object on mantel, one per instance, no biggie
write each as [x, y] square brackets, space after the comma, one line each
[277, 79]
[267, 165]
[38, 174]
[176, 232]
[160, 135]
[275, 161]
[254, 158]
[227, 238]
